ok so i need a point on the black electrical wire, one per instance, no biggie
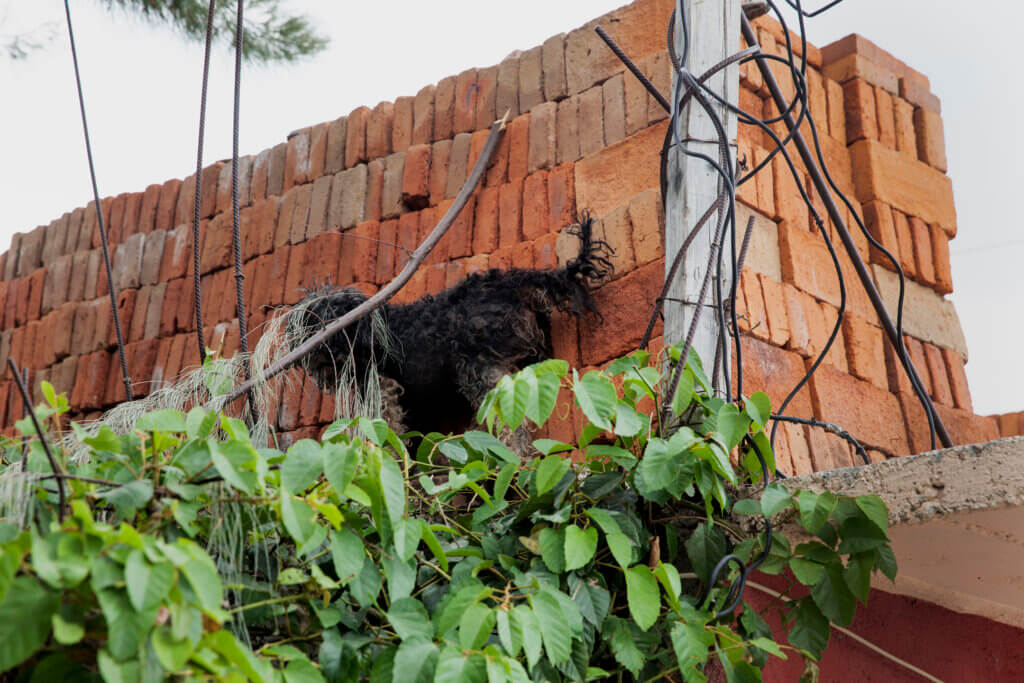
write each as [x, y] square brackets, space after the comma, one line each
[795, 4]
[27, 399]
[105, 247]
[197, 293]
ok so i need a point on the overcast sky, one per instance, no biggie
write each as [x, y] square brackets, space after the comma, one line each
[142, 92]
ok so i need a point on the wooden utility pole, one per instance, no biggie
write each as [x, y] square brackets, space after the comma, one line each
[693, 184]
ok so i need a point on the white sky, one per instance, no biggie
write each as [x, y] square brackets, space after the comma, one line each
[142, 94]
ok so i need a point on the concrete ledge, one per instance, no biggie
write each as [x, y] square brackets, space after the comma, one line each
[956, 524]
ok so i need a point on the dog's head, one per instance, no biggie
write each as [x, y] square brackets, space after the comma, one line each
[363, 342]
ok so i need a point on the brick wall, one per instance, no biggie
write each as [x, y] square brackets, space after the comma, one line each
[582, 134]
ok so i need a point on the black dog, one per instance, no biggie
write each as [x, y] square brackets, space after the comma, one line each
[447, 351]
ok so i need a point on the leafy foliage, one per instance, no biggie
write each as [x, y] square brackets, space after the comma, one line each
[269, 36]
[190, 551]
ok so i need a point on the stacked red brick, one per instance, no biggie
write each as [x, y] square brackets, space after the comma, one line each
[581, 134]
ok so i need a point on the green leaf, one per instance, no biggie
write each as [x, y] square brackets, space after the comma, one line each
[775, 499]
[409, 618]
[543, 397]
[628, 422]
[668, 576]
[580, 546]
[25, 620]
[68, 625]
[162, 421]
[833, 596]
[475, 626]
[435, 546]
[550, 471]
[552, 548]
[206, 584]
[454, 666]
[510, 631]
[806, 572]
[732, 425]
[401, 576]
[451, 613]
[302, 671]
[365, 587]
[530, 629]
[229, 458]
[340, 461]
[172, 653]
[746, 506]
[885, 560]
[642, 596]
[857, 575]
[297, 517]
[621, 547]
[876, 511]
[622, 641]
[691, 642]
[126, 628]
[347, 554]
[130, 497]
[147, 584]
[595, 394]
[415, 660]
[759, 408]
[554, 626]
[859, 535]
[705, 547]
[592, 601]
[302, 465]
[810, 629]
[815, 509]
[114, 671]
[407, 537]
[549, 446]
[392, 484]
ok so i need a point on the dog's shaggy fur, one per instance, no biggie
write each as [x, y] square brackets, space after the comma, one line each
[445, 352]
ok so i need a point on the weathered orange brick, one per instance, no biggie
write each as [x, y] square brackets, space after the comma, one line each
[923, 256]
[600, 183]
[401, 126]
[903, 183]
[535, 217]
[487, 89]
[444, 109]
[775, 310]
[765, 183]
[510, 208]
[416, 177]
[885, 115]
[374, 190]
[862, 409]
[931, 139]
[1009, 424]
[878, 221]
[864, 353]
[776, 372]
[906, 137]
[466, 92]
[836, 110]
[355, 137]
[423, 116]
[646, 215]
[386, 253]
[591, 121]
[905, 239]
[957, 380]
[806, 263]
[940, 259]
[440, 152]
[485, 234]
[518, 134]
[861, 112]
[613, 94]
[379, 125]
[567, 125]
[615, 229]
[618, 303]
[553, 63]
[506, 94]
[753, 298]
[836, 356]
[542, 151]
[296, 169]
[459, 240]
[940, 378]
